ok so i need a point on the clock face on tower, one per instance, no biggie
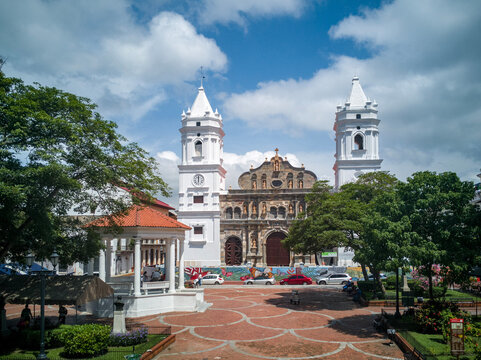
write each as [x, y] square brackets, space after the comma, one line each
[198, 180]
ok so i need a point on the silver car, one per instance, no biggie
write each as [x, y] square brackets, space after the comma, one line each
[333, 279]
[260, 280]
[212, 279]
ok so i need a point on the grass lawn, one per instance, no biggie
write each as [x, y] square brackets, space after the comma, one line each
[431, 345]
[115, 353]
[450, 294]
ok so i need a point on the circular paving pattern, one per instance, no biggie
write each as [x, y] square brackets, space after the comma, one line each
[260, 323]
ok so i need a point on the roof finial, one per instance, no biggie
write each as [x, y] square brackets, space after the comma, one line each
[202, 77]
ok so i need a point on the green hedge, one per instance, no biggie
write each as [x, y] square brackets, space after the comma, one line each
[390, 283]
[366, 286]
[86, 340]
[29, 339]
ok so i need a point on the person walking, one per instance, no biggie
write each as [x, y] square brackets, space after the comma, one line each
[62, 314]
[25, 317]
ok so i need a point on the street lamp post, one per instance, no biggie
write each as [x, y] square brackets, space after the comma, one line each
[397, 314]
[54, 261]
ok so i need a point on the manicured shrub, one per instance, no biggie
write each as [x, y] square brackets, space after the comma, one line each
[86, 340]
[390, 283]
[366, 286]
[434, 316]
[55, 336]
[130, 338]
[29, 339]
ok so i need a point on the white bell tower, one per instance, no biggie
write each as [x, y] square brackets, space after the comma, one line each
[357, 137]
[201, 181]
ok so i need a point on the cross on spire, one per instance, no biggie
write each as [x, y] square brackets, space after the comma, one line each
[202, 77]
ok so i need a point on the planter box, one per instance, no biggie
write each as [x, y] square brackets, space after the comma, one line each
[149, 354]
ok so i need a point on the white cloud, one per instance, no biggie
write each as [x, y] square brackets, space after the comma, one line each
[235, 11]
[96, 49]
[169, 172]
[291, 105]
[424, 73]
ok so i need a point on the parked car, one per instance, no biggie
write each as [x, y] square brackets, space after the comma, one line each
[260, 280]
[371, 277]
[333, 279]
[296, 280]
[381, 276]
[212, 279]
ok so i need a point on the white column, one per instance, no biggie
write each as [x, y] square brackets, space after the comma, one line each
[137, 266]
[167, 259]
[90, 267]
[113, 264]
[181, 263]
[102, 265]
[171, 265]
[108, 260]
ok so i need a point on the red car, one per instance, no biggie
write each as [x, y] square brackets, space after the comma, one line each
[296, 280]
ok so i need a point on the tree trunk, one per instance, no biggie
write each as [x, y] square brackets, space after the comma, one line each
[364, 272]
[377, 281]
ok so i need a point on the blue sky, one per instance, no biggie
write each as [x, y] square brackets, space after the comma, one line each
[275, 69]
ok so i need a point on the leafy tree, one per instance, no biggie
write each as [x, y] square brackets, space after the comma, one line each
[58, 154]
[373, 244]
[445, 224]
[338, 219]
[328, 221]
[384, 241]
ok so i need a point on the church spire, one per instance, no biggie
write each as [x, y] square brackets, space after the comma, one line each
[201, 106]
[357, 98]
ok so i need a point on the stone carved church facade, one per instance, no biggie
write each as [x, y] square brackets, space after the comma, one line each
[257, 216]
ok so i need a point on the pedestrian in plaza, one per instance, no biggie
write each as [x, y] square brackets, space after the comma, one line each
[25, 317]
[62, 314]
[156, 276]
[145, 277]
[200, 280]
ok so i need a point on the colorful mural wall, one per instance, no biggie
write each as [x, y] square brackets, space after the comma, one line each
[241, 273]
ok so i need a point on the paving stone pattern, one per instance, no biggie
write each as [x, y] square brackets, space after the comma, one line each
[260, 323]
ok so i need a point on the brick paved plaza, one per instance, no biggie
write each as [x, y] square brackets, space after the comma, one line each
[260, 323]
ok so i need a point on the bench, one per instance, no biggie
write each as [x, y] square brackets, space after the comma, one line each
[155, 285]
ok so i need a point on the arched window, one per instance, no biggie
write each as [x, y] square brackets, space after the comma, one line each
[289, 181]
[281, 213]
[300, 182]
[198, 148]
[237, 213]
[359, 142]
[228, 213]
[254, 181]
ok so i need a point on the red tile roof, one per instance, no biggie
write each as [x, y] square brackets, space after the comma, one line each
[143, 216]
[144, 199]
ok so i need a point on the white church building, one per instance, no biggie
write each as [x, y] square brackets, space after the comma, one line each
[202, 176]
